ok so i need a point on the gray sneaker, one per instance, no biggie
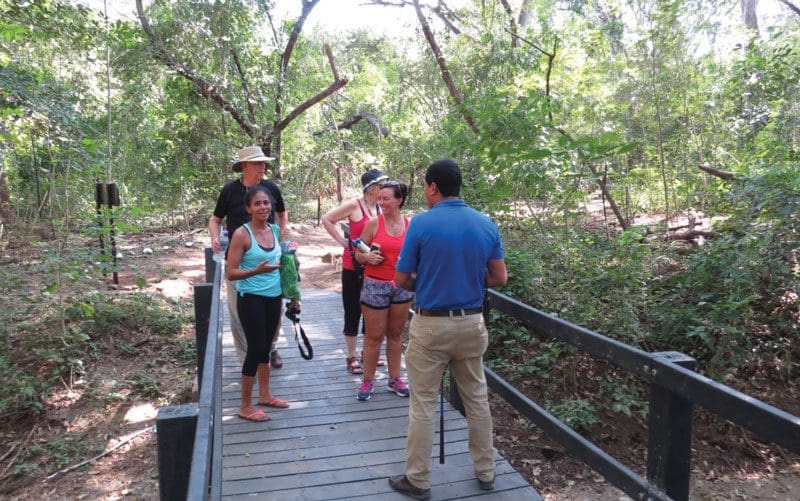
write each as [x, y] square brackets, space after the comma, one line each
[486, 486]
[401, 484]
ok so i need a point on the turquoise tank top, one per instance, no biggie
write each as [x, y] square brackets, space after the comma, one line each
[263, 284]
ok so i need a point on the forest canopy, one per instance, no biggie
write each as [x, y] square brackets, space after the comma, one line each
[640, 157]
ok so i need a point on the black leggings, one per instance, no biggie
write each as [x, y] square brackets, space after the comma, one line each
[260, 316]
[351, 300]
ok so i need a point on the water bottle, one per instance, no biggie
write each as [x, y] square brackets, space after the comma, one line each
[223, 246]
[360, 245]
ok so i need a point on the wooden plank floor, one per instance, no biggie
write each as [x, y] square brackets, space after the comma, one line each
[328, 445]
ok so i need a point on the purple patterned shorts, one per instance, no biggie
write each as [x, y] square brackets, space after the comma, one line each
[380, 294]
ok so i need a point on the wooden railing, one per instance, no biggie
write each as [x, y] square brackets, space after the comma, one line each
[189, 463]
[674, 389]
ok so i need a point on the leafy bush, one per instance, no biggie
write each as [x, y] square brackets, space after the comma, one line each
[139, 312]
[20, 391]
[56, 347]
[578, 414]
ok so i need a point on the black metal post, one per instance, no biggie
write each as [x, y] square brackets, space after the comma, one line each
[211, 265]
[202, 311]
[669, 446]
[175, 426]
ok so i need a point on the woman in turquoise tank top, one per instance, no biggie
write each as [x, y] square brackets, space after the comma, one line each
[254, 256]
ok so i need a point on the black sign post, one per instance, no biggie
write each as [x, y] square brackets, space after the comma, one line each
[107, 195]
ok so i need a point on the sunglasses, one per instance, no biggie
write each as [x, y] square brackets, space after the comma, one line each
[390, 184]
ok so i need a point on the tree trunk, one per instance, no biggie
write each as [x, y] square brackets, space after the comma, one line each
[749, 14]
[440, 60]
[8, 213]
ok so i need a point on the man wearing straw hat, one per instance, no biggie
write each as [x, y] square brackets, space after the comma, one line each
[252, 163]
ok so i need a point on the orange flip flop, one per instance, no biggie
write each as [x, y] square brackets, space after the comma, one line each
[257, 415]
[277, 403]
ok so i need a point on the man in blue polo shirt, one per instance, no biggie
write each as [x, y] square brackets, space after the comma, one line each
[451, 253]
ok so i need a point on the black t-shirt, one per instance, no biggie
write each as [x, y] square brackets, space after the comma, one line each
[230, 203]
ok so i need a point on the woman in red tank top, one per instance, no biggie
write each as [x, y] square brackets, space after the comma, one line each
[383, 304]
[357, 212]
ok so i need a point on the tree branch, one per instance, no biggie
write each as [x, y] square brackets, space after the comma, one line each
[512, 24]
[441, 10]
[445, 19]
[303, 107]
[350, 122]
[208, 90]
[247, 95]
[791, 6]
[600, 181]
[327, 50]
[550, 58]
[722, 174]
[285, 57]
[448, 80]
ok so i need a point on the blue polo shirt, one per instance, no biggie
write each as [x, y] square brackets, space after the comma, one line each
[448, 248]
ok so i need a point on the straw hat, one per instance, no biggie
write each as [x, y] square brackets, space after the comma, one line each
[249, 154]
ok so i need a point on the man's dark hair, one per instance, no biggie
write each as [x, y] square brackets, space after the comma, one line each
[447, 176]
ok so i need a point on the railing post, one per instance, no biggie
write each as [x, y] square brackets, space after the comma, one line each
[202, 312]
[669, 446]
[175, 428]
[211, 265]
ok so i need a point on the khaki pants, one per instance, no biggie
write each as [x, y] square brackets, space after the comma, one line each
[435, 343]
[239, 341]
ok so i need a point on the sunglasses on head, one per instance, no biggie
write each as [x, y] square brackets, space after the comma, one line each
[390, 184]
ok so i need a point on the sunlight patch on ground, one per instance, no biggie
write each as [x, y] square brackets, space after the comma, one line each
[141, 412]
[174, 289]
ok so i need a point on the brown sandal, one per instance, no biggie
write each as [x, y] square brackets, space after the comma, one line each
[354, 366]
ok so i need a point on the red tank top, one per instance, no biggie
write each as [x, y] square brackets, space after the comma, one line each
[356, 228]
[390, 248]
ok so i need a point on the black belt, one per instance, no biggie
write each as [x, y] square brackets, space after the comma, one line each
[448, 313]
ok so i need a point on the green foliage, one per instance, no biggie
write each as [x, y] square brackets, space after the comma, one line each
[61, 354]
[145, 385]
[20, 392]
[138, 312]
[578, 414]
[624, 396]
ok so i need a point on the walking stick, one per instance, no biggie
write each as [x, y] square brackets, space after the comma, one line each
[441, 421]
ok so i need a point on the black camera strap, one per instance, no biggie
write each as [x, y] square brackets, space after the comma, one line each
[298, 333]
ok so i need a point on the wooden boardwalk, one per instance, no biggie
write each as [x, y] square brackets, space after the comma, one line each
[328, 445]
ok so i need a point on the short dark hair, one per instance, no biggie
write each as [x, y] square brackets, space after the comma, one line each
[447, 176]
[400, 190]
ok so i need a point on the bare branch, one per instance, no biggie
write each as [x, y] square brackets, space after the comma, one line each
[247, 95]
[722, 174]
[327, 49]
[791, 6]
[512, 24]
[350, 122]
[298, 27]
[441, 10]
[208, 90]
[550, 58]
[448, 80]
[303, 107]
